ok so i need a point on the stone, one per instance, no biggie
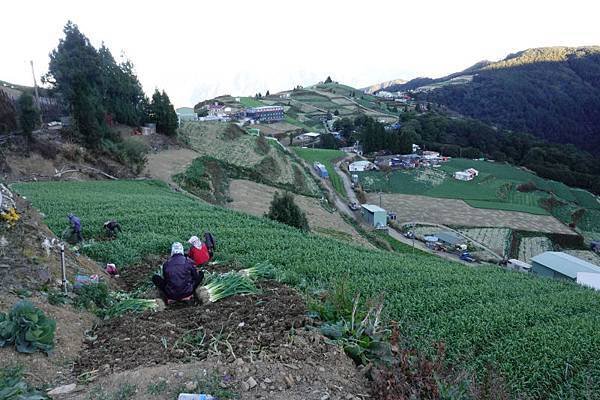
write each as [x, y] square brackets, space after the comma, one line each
[263, 386]
[267, 380]
[288, 380]
[321, 369]
[325, 397]
[245, 386]
[63, 389]
[239, 361]
[191, 386]
[251, 382]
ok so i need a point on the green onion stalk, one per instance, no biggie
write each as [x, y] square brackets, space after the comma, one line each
[262, 270]
[132, 305]
[225, 285]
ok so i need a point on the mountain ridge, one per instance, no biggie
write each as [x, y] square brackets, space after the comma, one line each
[551, 92]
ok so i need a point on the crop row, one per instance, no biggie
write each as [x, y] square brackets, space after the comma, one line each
[541, 335]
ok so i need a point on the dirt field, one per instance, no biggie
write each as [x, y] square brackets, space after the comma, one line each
[456, 212]
[254, 198]
[165, 164]
[218, 348]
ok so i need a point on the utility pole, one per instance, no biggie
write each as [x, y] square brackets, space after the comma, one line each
[37, 95]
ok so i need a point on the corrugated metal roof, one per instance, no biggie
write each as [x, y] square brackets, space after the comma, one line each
[451, 238]
[564, 263]
[373, 208]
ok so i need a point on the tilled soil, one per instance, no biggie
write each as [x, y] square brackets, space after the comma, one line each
[235, 327]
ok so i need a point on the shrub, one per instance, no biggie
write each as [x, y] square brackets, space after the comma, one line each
[283, 209]
[134, 152]
[28, 328]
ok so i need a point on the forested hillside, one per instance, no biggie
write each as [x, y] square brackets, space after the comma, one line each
[553, 93]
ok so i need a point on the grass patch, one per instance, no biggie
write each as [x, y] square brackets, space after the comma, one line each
[327, 158]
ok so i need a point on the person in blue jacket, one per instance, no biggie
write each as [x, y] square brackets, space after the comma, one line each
[75, 227]
[180, 277]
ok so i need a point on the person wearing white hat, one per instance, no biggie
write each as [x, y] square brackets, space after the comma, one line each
[198, 251]
[180, 277]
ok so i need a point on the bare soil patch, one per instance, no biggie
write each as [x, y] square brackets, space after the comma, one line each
[163, 165]
[304, 368]
[456, 212]
[255, 198]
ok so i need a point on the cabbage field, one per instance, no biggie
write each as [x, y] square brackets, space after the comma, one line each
[541, 335]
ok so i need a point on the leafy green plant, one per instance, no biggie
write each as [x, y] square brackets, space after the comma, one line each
[13, 387]
[57, 298]
[93, 297]
[28, 328]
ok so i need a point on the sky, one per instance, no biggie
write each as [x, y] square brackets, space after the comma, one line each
[197, 50]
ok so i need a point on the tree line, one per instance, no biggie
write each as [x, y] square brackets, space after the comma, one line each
[99, 91]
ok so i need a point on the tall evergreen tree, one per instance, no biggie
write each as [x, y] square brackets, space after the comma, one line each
[162, 113]
[28, 114]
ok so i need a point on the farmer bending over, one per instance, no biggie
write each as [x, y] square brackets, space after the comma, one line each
[180, 276]
[75, 227]
[198, 252]
[112, 227]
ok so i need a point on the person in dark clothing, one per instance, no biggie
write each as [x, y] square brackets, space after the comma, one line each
[180, 276]
[112, 227]
[75, 227]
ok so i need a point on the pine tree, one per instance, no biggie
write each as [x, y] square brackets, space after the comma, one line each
[163, 114]
[28, 114]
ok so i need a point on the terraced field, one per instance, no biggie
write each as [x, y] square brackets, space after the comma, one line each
[531, 330]
[532, 246]
[496, 239]
[228, 143]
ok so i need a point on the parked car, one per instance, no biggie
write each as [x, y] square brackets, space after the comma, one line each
[465, 256]
[354, 206]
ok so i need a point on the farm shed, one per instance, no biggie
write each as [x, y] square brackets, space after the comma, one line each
[360, 166]
[431, 155]
[321, 170]
[374, 215]
[559, 265]
[451, 238]
[463, 176]
[307, 137]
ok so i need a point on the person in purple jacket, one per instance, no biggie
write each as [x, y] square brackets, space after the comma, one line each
[180, 277]
[75, 226]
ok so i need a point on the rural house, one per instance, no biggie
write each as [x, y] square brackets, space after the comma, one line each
[559, 265]
[466, 175]
[374, 215]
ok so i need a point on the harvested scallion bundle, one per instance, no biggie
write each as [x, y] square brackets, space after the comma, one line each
[132, 305]
[225, 285]
[263, 270]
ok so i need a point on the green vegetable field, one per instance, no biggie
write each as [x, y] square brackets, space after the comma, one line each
[542, 335]
[325, 157]
[494, 188]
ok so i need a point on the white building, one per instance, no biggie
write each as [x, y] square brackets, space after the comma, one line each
[361, 166]
[430, 155]
[463, 176]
